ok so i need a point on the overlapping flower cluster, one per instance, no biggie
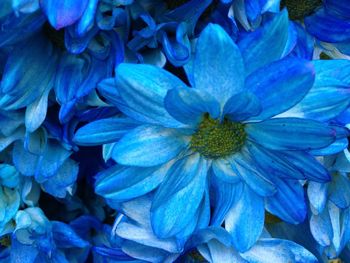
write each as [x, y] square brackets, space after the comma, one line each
[174, 131]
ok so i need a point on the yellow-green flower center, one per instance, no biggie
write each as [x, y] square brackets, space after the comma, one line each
[298, 9]
[215, 139]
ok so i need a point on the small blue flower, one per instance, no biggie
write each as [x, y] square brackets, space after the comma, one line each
[331, 24]
[36, 239]
[216, 247]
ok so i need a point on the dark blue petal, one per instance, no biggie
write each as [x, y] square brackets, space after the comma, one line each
[302, 134]
[289, 202]
[261, 47]
[65, 236]
[280, 85]
[330, 94]
[327, 28]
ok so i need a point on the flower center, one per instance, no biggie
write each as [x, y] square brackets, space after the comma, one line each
[173, 4]
[298, 9]
[215, 139]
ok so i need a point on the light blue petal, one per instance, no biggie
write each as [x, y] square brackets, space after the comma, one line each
[188, 105]
[58, 184]
[124, 183]
[278, 250]
[321, 228]
[257, 179]
[318, 194]
[261, 47]
[87, 19]
[289, 202]
[218, 65]
[148, 145]
[214, 251]
[280, 85]
[245, 220]
[63, 13]
[223, 196]
[178, 198]
[334, 148]
[222, 169]
[242, 106]
[143, 88]
[103, 131]
[330, 94]
[339, 190]
[36, 112]
[24, 161]
[302, 134]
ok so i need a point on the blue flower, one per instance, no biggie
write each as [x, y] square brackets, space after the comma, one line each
[220, 129]
[331, 24]
[172, 26]
[36, 239]
[215, 246]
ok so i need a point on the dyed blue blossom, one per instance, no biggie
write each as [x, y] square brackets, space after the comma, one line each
[331, 24]
[36, 239]
[222, 127]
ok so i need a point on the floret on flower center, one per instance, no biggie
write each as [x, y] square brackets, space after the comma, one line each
[173, 4]
[298, 9]
[215, 139]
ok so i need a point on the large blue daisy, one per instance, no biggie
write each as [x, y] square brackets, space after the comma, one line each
[227, 128]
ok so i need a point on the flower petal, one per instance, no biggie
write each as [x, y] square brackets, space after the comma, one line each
[280, 85]
[327, 28]
[143, 88]
[103, 131]
[278, 250]
[224, 195]
[176, 201]
[245, 220]
[148, 146]
[188, 105]
[261, 47]
[241, 106]
[288, 203]
[64, 12]
[218, 66]
[121, 183]
[330, 94]
[243, 164]
[302, 134]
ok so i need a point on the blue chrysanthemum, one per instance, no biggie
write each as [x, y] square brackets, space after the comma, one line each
[225, 128]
